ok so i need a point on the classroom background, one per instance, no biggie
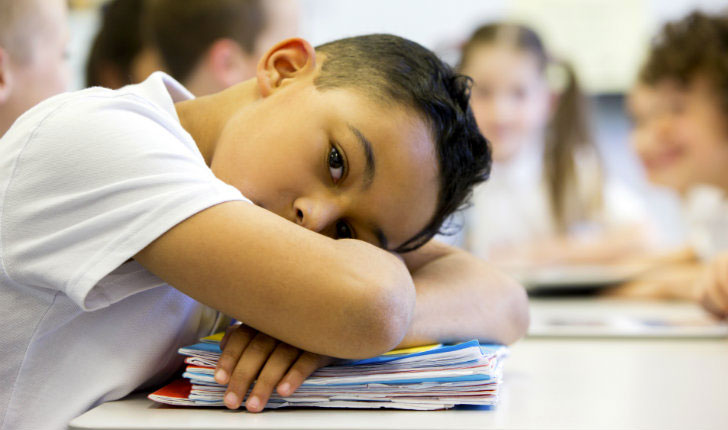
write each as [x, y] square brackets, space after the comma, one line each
[605, 40]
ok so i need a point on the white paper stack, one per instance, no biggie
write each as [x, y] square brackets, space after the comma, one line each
[435, 377]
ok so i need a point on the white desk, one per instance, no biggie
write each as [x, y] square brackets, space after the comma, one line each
[549, 384]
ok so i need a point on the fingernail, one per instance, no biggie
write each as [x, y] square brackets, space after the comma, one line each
[253, 403]
[284, 388]
[221, 376]
[231, 400]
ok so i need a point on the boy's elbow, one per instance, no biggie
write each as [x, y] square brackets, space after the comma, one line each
[383, 313]
[517, 316]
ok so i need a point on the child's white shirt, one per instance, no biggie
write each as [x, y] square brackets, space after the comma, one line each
[512, 208]
[87, 180]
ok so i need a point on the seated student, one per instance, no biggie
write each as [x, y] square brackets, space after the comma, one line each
[126, 209]
[680, 107]
[33, 39]
[207, 45]
[118, 56]
[549, 200]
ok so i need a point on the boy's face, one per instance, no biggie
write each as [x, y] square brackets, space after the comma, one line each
[333, 161]
[681, 134]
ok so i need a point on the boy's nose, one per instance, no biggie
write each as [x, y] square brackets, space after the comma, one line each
[316, 214]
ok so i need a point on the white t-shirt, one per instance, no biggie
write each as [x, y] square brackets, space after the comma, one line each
[512, 208]
[87, 180]
[706, 215]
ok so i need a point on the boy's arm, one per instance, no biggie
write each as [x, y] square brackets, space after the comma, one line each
[461, 297]
[671, 276]
[712, 287]
[343, 298]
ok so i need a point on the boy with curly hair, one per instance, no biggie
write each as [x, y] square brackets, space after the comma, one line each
[680, 108]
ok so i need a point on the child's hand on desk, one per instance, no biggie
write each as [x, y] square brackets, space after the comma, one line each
[248, 356]
[713, 287]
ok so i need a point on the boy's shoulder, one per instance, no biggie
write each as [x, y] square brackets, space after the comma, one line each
[96, 106]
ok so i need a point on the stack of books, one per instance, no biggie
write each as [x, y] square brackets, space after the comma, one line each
[423, 378]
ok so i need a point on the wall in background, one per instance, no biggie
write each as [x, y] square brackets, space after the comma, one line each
[605, 39]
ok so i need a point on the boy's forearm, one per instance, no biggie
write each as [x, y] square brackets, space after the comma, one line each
[345, 298]
[460, 297]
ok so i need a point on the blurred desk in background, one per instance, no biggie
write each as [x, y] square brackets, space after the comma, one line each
[550, 383]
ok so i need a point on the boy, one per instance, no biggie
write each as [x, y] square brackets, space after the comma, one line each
[680, 106]
[207, 45]
[118, 205]
[33, 39]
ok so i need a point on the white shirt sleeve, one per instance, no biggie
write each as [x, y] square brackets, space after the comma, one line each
[91, 186]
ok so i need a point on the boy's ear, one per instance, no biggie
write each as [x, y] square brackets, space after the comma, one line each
[6, 76]
[287, 60]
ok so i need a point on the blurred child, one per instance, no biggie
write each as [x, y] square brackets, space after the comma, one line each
[118, 56]
[208, 45]
[282, 201]
[33, 39]
[680, 111]
[548, 200]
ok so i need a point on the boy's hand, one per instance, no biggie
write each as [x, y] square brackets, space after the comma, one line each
[250, 356]
[713, 287]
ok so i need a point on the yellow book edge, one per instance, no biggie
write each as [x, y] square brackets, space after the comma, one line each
[217, 337]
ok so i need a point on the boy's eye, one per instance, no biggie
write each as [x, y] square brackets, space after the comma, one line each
[343, 231]
[336, 164]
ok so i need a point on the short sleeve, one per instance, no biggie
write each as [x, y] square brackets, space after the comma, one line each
[622, 205]
[95, 183]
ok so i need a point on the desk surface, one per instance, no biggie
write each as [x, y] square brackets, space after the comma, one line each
[549, 384]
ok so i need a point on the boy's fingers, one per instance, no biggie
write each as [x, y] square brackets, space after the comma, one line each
[714, 300]
[710, 297]
[306, 364]
[228, 331]
[278, 363]
[721, 281]
[238, 340]
[247, 369]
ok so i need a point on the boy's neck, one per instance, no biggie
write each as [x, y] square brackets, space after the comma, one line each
[204, 118]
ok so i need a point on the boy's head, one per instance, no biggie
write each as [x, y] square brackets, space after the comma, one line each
[369, 137]
[209, 45]
[33, 38]
[680, 104]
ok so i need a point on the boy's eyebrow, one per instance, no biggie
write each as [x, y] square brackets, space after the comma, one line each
[369, 177]
[368, 155]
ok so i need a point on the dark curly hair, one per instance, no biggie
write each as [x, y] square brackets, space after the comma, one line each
[695, 46]
[390, 68]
